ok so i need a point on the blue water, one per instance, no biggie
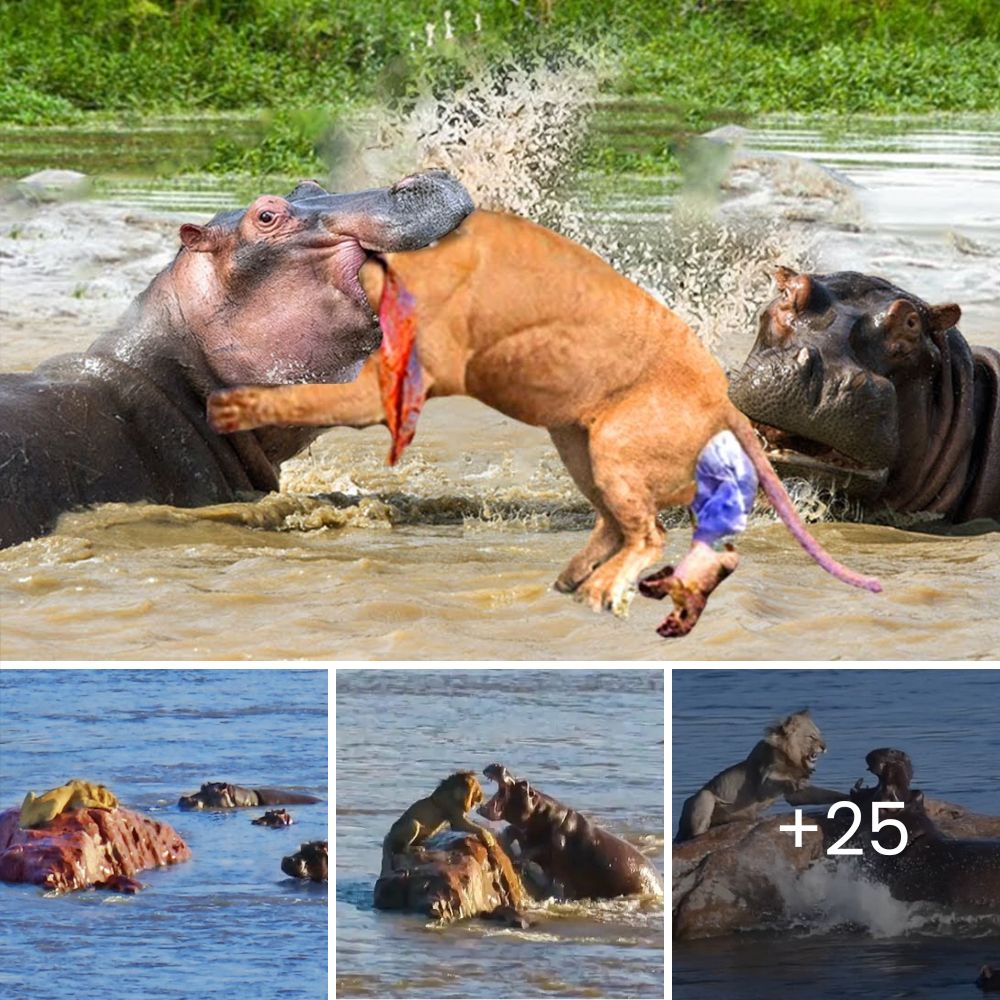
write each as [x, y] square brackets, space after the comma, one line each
[945, 719]
[227, 923]
[592, 739]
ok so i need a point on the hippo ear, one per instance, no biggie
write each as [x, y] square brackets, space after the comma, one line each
[306, 189]
[945, 317]
[200, 239]
[796, 288]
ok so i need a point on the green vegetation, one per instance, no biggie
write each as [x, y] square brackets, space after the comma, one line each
[307, 61]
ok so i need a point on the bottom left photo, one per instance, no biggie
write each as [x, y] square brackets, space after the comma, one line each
[164, 832]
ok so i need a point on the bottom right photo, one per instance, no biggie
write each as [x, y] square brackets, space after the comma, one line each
[836, 833]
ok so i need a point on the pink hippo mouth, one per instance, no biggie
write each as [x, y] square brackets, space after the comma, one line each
[493, 809]
[349, 257]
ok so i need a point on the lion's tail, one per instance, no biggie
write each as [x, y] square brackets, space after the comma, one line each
[782, 503]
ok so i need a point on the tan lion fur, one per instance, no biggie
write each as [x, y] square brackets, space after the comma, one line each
[779, 766]
[546, 332]
[445, 806]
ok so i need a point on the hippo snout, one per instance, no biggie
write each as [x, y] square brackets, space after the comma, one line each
[817, 400]
[421, 208]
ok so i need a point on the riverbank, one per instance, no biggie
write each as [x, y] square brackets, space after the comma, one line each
[293, 71]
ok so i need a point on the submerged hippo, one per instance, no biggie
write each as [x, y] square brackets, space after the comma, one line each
[274, 818]
[859, 383]
[586, 861]
[310, 861]
[220, 795]
[266, 295]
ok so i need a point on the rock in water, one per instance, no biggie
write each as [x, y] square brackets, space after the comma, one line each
[54, 185]
[86, 847]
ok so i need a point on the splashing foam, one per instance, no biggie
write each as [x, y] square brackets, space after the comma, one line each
[513, 135]
[832, 896]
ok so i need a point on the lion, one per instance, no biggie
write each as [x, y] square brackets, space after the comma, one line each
[779, 766]
[445, 806]
[37, 810]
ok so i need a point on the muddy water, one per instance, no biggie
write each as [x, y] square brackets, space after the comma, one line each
[452, 553]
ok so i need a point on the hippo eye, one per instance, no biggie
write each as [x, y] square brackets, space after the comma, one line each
[266, 217]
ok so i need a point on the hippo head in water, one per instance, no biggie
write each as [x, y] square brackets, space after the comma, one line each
[858, 383]
[271, 293]
[310, 861]
[894, 771]
[218, 795]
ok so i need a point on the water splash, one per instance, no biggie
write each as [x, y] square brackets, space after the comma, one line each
[832, 896]
[513, 134]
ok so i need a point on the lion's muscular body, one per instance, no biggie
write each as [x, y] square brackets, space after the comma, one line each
[445, 806]
[779, 766]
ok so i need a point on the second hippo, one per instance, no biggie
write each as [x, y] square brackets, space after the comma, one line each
[587, 861]
[221, 795]
[310, 861]
[858, 383]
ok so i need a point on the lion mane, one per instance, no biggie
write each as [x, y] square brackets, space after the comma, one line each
[779, 766]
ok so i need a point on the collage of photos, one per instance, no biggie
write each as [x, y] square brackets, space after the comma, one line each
[840, 826]
[496, 441]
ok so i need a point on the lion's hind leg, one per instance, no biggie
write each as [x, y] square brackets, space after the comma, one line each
[726, 486]
[696, 816]
[400, 837]
[606, 538]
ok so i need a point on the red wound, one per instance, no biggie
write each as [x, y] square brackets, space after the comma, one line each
[400, 375]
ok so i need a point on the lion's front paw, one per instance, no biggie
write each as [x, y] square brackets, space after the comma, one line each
[232, 410]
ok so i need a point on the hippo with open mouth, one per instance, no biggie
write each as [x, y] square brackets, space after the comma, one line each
[266, 295]
[855, 382]
[583, 859]
[951, 871]
[221, 795]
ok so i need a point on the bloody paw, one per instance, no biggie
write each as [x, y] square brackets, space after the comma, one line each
[657, 584]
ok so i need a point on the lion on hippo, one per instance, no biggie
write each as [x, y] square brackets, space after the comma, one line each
[447, 805]
[779, 766]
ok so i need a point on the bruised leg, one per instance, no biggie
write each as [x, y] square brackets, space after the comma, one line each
[726, 486]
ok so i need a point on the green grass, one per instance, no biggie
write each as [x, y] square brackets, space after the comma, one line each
[308, 61]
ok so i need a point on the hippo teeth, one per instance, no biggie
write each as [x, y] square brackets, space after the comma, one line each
[784, 446]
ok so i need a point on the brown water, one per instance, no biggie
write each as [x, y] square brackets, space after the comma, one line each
[452, 553]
